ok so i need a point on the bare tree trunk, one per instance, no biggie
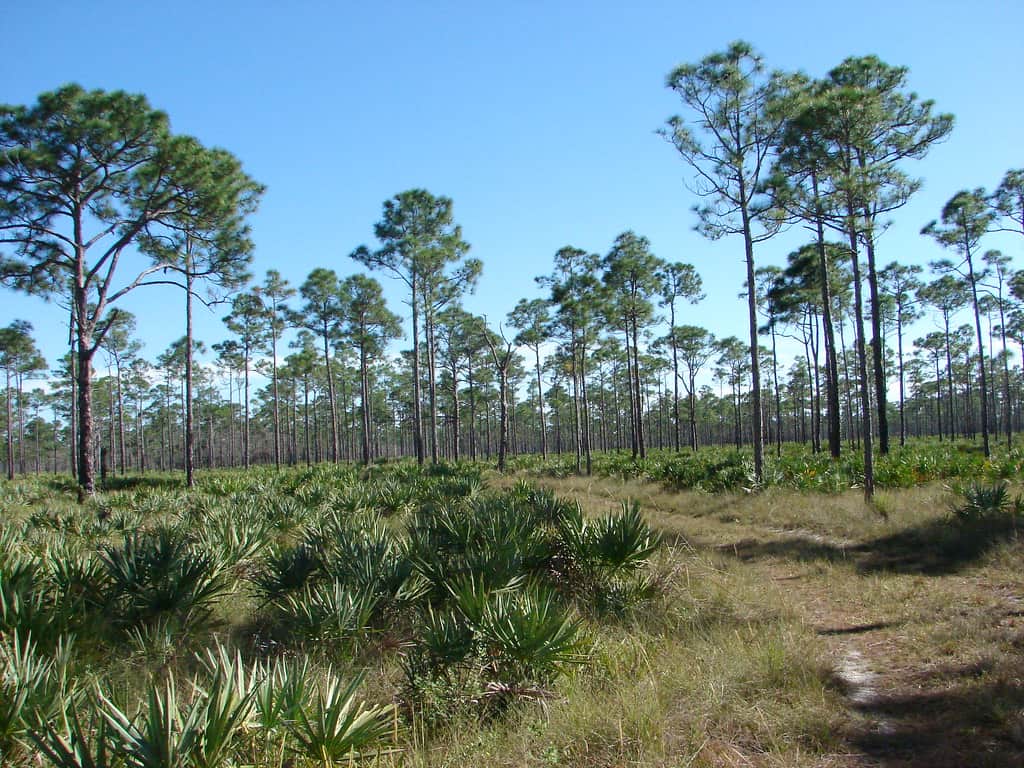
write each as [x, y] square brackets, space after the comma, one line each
[634, 408]
[472, 411]
[1006, 373]
[21, 422]
[456, 417]
[432, 383]
[877, 352]
[120, 417]
[778, 394]
[899, 354]
[586, 413]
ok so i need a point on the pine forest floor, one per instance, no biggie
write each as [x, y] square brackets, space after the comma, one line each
[921, 625]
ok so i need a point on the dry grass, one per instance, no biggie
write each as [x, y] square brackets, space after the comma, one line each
[934, 611]
[720, 673]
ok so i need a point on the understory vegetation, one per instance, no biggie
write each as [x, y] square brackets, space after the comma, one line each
[447, 616]
[716, 469]
[241, 621]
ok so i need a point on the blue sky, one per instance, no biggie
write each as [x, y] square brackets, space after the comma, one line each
[537, 118]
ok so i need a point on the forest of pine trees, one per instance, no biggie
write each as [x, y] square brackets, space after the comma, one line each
[606, 357]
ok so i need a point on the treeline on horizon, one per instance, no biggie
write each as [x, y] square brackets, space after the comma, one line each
[94, 185]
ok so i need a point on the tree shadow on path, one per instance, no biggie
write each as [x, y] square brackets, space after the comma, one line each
[978, 721]
[937, 548]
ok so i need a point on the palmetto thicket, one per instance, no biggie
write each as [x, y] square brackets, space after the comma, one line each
[248, 640]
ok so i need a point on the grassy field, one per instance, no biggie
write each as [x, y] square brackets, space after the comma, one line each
[917, 616]
[460, 618]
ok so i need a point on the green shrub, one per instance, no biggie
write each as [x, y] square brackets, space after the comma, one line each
[329, 613]
[287, 569]
[159, 574]
[984, 502]
[335, 728]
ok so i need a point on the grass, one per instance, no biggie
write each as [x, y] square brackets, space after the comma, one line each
[932, 604]
[715, 664]
[728, 649]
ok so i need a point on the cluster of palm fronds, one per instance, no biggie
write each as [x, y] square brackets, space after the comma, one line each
[506, 581]
[108, 611]
[988, 504]
[226, 714]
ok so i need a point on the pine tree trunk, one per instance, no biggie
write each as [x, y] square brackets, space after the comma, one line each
[364, 394]
[981, 351]
[540, 408]
[1006, 373]
[877, 351]
[431, 383]
[120, 418]
[862, 365]
[330, 393]
[86, 472]
[456, 415]
[10, 428]
[190, 452]
[305, 420]
[778, 394]
[641, 442]
[21, 422]
[899, 354]
[831, 362]
[755, 362]
[472, 411]
[417, 414]
[246, 447]
[585, 412]
[693, 413]
[277, 411]
[73, 407]
[675, 376]
[633, 407]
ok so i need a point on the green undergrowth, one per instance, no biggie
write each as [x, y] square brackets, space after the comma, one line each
[397, 615]
[716, 469]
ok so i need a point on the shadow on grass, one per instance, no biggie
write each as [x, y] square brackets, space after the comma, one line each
[857, 629]
[973, 722]
[61, 484]
[935, 548]
[792, 547]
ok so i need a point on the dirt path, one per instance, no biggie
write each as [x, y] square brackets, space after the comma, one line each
[930, 665]
[923, 625]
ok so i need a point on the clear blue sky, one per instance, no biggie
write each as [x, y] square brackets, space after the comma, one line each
[537, 118]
